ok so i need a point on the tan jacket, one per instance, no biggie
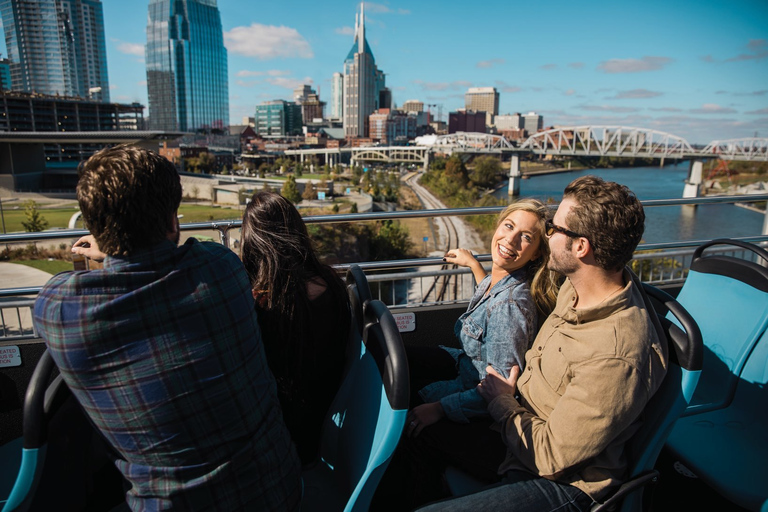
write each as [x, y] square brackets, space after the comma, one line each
[588, 376]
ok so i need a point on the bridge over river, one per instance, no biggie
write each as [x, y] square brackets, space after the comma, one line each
[612, 141]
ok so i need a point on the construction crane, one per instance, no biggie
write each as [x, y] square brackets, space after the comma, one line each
[439, 111]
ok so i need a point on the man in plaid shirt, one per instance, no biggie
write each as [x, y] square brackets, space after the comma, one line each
[162, 349]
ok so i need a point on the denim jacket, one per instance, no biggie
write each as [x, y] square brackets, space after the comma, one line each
[497, 329]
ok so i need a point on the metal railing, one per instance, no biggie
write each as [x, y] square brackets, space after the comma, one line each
[398, 282]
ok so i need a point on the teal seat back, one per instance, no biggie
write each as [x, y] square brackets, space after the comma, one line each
[364, 423]
[728, 298]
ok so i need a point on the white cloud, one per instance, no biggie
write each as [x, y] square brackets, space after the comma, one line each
[548, 66]
[761, 112]
[345, 31]
[576, 65]
[271, 72]
[377, 8]
[131, 49]
[712, 108]
[636, 94]
[267, 42]
[289, 83]
[569, 92]
[634, 65]
[608, 108]
[443, 86]
[489, 63]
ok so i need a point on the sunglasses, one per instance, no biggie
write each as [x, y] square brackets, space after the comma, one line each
[550, 228]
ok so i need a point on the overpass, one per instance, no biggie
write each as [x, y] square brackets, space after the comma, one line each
[22, 155]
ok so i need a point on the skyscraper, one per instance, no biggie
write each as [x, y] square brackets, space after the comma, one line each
[186, 66]
[56, 47]
[362, 83]
[483, 99]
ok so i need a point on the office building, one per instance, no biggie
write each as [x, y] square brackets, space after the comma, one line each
[483, 99]
[392, 127]
[278, 118]
[312, 109]
[532, 123]
[337, 96]
[56, 47]
[301, 93]
[5, 74]
[363, 82]
[311, 106]
[466, 121]
[508, 122]
[186, 66]
[413, 106]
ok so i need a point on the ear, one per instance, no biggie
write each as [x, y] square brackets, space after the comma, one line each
[581, 247]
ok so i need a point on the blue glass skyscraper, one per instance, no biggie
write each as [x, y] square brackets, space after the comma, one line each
[186, 66]
[56, 47]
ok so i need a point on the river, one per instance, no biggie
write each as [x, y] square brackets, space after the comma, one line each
[662, 223]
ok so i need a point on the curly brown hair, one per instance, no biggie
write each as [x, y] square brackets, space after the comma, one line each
[610, 216]
[128, 197]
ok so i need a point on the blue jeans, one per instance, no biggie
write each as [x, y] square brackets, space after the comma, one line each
[518, 491]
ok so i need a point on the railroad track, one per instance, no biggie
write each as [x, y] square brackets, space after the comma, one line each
[443, 287]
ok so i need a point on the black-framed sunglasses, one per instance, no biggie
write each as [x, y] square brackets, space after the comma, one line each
[550, 228]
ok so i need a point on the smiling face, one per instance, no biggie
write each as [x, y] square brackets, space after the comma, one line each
[516, 241]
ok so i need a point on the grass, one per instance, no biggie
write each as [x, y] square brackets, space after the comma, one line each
[59, 217]
[50, 266]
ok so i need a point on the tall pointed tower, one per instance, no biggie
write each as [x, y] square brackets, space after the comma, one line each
[362, 82]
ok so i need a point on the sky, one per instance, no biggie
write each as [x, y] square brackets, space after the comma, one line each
[694, 69]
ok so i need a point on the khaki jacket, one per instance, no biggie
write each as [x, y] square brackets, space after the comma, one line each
[588, 376]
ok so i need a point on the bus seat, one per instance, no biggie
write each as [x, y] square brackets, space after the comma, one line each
[61, 454]
[359, 293]
[723, 437]
[364, 423]
[728, 297]
[666, 405]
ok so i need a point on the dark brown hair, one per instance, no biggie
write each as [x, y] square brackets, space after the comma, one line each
[610, 216]
[279, 258]
[128, 197]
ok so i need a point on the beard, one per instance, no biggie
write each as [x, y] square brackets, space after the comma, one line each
[563, 261]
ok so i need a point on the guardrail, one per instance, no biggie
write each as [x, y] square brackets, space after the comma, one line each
[398, 282]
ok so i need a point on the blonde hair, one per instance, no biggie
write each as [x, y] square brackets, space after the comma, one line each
[544, 283]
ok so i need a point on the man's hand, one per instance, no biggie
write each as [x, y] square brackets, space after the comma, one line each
[88, 247]
[494, 384]
[422, 416]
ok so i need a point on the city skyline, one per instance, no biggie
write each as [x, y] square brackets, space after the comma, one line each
[698, 70]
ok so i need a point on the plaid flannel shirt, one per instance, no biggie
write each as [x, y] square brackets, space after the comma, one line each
[163, 351]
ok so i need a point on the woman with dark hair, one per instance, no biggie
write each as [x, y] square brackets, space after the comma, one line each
[303, 312]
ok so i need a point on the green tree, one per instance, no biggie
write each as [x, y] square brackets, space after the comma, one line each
[207, 162]
[299, 170]
[354, 208]
[486, 171]
[290, 191]
[35, 221]
[310, 191]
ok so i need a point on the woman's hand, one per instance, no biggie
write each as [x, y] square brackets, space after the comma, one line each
[87, 246]
[461, 257]
[422, 416]
[494, 384]
[465, 258]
